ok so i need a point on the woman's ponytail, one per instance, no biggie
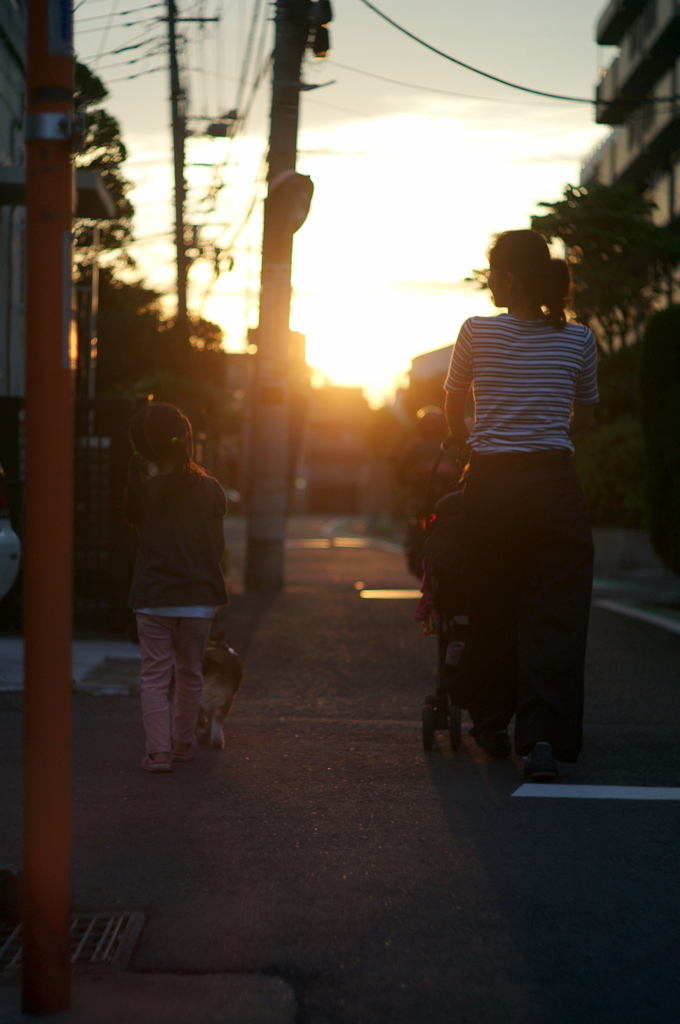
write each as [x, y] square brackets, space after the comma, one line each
[543, 280]
[557, 291]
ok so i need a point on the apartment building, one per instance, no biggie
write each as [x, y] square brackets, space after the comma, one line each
[93, 202]
[639, 97]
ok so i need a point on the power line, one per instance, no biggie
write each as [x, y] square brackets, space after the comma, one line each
[121, 14]
[429, 88]
[248, 53]
[259, 78]
[105, 36]
[132, 46]
[218, 170]
[468, 67]
[125, 24]
[131, 60]
[139, 74]
[259, 181]
[204, 63]
[123, 49]
[334, 106]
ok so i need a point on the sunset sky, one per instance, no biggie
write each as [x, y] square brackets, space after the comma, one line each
[409, 182]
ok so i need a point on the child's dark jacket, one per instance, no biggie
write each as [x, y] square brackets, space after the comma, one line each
[178, 563]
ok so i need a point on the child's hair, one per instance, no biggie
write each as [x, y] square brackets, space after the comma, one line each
[541, 279]
[156, 434]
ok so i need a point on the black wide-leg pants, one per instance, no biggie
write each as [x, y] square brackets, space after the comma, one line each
[529, 580]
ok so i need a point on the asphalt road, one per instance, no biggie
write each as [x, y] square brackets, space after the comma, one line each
[388, 886]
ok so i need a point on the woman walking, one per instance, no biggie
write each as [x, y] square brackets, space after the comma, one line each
[177, 580]
[533, 376]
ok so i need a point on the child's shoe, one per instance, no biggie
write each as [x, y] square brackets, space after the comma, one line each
[185, 755]
[149, 765]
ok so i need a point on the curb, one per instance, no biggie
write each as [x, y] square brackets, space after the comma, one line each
[165, 999]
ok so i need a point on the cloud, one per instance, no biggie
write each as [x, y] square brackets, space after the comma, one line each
[433, 287]
[336, 152]
[549, 158]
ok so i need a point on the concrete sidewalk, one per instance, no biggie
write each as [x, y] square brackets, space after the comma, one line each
[98, 665]
[109, 669]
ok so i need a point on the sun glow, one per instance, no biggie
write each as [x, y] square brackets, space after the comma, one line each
[368, 338]
[403, 209]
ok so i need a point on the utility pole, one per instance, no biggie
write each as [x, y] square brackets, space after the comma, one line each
[48, 536]
[93, 317]
[285, 208]
[178, 109]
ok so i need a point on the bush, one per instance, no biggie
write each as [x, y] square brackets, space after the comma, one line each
[610, 462]
[618, 381]
[660, 409]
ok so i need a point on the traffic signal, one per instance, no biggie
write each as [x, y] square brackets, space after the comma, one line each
[320, 16]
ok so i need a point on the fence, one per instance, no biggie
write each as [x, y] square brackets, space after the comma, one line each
[104, 546]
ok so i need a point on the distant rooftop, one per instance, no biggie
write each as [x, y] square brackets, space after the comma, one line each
[431, 364]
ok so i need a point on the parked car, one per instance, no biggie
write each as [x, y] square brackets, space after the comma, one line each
[10, 545]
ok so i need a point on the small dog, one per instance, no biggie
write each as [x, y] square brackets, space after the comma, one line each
[222, 679]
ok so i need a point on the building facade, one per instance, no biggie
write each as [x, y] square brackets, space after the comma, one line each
[333, 466]
[639, 97]
[425, 384]
[12, 211]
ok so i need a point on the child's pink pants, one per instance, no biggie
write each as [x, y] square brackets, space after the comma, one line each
[168, 642]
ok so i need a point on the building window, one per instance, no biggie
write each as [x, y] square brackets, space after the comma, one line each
[648, 18]
[647, 115]
[643, 25]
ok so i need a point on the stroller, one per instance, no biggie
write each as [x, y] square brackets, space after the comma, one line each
[442, 610]
[429, 480]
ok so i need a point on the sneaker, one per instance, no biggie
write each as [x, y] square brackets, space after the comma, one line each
[541, 764]
[495, 744]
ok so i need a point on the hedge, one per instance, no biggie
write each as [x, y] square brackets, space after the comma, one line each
[660, 411]
[610, 462]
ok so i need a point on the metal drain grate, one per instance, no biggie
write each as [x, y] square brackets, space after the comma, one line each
[104, 939]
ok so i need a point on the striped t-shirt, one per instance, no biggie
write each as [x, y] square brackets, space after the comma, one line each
[525, 375]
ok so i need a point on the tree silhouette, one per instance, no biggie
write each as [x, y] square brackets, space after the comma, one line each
[621, 261]
[102, 150]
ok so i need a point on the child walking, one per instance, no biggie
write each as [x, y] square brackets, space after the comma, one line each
[177, 581]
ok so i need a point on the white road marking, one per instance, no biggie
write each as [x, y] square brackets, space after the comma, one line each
[346, 542]
[390, 546]
[312, 542]
[599, 792]
[390, 594]
[639, 613]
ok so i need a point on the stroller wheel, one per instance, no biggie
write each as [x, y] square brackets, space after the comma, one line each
[428, 727]
[454, 728]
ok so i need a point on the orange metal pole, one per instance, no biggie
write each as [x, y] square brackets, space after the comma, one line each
[49, 509]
